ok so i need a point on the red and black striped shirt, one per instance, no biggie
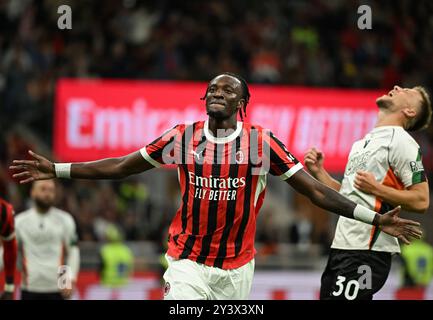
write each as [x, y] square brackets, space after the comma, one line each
[223, 183]
[7, 235]
[6, 220]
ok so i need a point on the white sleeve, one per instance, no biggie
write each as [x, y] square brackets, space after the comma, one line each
[19, 238]
[18, 228]
[71, 244]
[74, 261]
[406, 160]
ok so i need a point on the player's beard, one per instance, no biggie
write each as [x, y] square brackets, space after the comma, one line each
[218, 115]
[43, 205]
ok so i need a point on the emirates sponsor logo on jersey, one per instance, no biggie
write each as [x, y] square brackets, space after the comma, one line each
[212, 182]
[215, 189]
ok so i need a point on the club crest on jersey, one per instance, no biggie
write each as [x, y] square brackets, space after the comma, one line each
[239, 157]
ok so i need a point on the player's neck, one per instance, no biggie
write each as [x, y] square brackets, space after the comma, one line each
[388, 119]
[42, 210]
[216, 124]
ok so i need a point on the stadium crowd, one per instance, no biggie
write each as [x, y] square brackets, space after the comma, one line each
[284, 42]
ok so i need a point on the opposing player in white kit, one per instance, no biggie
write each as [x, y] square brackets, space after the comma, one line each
[48, 247]
[384, 170]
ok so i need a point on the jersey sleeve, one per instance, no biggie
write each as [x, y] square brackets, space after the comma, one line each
[406, 160]
[71, 244]
[282, 162]
[71, 237]
[158, 151]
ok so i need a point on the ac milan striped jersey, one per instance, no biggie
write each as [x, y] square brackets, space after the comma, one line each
[6, 220]
[7, 236]
[222, 184]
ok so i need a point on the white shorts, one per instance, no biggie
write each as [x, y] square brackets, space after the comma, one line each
[188, 280]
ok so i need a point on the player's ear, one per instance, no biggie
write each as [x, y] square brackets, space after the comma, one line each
[409, 112]
[241, 104]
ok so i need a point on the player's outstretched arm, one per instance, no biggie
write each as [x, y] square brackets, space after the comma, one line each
[313, 160]
[110, 168]
[330, 200]
[415, 198]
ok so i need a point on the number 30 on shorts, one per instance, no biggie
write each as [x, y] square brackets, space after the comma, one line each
[351, 290]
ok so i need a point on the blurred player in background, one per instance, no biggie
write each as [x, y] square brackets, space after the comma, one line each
[417, 264]
[7, 235]
[116, 260]
[47, 243]
[211, 238]
[384, 170]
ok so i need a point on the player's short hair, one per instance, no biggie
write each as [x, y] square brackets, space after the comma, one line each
[423, 119]
[245, 92]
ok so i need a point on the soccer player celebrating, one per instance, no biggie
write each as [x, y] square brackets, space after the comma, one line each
[222, 166]
[7, 235]
[384, 170]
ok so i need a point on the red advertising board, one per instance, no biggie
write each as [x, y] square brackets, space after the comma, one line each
[267, 285]
[108, 118]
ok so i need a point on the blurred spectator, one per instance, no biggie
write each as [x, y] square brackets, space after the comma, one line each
[417, 264]
[300, 232]
[265, 66]
[116, 260]
[301, 228]
[267, 235]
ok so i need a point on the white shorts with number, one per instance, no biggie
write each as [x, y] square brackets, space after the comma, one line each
[188, 280]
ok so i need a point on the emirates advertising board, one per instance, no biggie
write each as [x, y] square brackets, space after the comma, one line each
[108, 118]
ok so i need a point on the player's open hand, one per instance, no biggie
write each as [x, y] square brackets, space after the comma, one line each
[403, 229]
[31, 170]
[313, 160]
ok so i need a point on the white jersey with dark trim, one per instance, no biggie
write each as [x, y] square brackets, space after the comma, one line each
[394, 158]
[44, 240]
